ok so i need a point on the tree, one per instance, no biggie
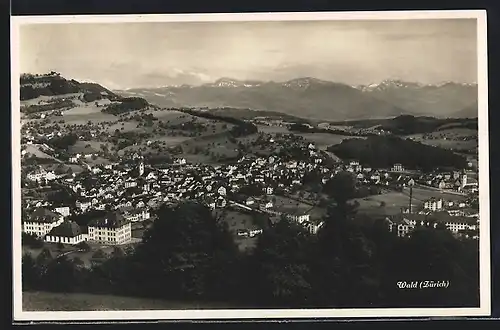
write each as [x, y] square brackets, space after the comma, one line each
[431, 253]
[193, 251]
[31, 241]
[281, 266]
[83, 246]
[31, 272]
[341, 187]
[61, 276]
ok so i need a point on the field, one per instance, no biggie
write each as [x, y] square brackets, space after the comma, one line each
[82, 115]
[321, 140]
[217, 144]
[170, 141]
[324, 140]
[44, 98]
[394, 201]
[129, 126]
[37, 151]
[272, 129]
[49, 301]
[449, 138]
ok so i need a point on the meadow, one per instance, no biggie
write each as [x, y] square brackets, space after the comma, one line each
[449, 138]
[51, 301]
[324, 140]
[83, 114]
[394, 200]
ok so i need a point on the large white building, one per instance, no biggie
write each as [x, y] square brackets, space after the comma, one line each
[404, 224]
[137, 215]
[41, 222]
[433, 204]
[112, 229]
[64, 210]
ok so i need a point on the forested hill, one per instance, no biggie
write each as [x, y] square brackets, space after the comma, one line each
[407, 124]
[52, 92]
[52, 84]
[385, 151]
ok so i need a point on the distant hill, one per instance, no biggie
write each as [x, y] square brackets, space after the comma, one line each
[408, 124]
[303, 97]
[385, 151]
[468, 112]
[442, 100]
[247, 114]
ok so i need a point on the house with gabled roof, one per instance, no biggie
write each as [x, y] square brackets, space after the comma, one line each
[68, 232]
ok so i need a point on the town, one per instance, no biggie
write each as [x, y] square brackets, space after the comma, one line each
[114, 203]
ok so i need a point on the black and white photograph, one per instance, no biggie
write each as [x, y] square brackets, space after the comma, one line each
[250, 166]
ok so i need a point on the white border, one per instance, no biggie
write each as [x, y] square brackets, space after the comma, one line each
[485, 281]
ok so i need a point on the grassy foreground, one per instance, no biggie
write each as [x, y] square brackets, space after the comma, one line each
[50, 301]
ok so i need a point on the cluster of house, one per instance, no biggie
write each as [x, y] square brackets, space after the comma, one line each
[41, 175]
[460, 181]
[456, 216]
[132, 191]
[53, 226]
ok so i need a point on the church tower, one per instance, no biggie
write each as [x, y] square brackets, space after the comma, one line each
[141, 168]
[464, 179]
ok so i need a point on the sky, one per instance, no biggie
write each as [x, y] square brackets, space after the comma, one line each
[152, 54]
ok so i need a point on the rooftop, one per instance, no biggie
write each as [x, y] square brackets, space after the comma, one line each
[110, 220]
[66, 229]
[43, 215]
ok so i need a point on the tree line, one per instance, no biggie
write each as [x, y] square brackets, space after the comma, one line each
[126, 104]
[240, 128]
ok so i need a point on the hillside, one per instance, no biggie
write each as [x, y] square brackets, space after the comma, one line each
[468, 112]
[303, 97]
[52, 84]
[412, 155]
[53, 93]
[443, 100]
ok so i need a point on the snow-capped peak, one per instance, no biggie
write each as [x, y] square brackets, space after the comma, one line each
[228, 82]
[302, 83]
[396, 84]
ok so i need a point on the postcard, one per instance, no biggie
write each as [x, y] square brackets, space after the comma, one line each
[250, 166]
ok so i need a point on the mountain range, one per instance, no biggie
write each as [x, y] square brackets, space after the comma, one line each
[319, 99]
